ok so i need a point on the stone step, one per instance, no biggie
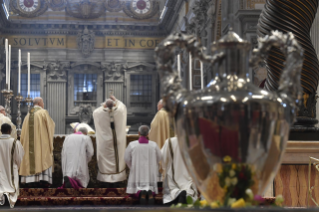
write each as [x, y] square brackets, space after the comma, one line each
[70, 192]
[85, 196]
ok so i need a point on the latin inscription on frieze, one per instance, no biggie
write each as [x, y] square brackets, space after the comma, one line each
[110, 42]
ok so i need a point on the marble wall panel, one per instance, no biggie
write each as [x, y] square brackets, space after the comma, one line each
[292, 182]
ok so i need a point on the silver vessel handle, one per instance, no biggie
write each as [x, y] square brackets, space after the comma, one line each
[290, 83]
[171, 86]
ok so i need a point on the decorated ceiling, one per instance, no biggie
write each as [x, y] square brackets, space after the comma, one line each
[86, 10]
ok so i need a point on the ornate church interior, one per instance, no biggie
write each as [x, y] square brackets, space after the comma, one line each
[237, 81]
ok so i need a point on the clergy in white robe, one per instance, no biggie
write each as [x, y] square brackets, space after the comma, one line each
[5, 119]
[110, 126]
[143, 158]
[177, 182]
[76, 153]
[11, 154]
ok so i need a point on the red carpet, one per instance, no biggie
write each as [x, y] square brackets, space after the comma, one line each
[85, 196]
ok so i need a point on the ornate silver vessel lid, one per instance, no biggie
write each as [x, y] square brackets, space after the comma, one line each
[231, 40]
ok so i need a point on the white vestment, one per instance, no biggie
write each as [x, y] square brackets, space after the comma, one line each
[143, 160]
[76, 153]
[11, 155]
[4, 119]
[110, 149]
[176, 178]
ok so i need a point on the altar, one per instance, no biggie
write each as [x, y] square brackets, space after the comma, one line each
[291, 180]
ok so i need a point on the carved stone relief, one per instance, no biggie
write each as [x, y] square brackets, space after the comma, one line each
[85, 41]
[85, 113]
[114, 5]
[198, 24]
[56, 70]
[85, 9]
[114, 71]
[56, 5]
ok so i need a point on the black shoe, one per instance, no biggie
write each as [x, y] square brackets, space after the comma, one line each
[67, 183]
[143, 195]
[150, 197]
[182, 197]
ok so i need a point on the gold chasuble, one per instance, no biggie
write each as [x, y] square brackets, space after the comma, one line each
[37, 141]
[162, 128]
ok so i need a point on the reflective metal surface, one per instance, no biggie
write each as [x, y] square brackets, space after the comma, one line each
[231, 118]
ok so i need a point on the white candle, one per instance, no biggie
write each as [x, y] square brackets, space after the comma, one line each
[19, 77]
[202, 74]
[9, 71]
[28, 73]
[7, 67]
[179, 64]
[190, 71]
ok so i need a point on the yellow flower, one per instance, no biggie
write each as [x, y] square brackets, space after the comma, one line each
[227, 181]
[239, 203]
[227, 159]
[203, 203]
[214, 205]
[279, 200]
[234, 181]
[232, 173]
[250, 194]
[233, 166]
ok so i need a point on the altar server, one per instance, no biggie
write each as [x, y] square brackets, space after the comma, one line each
[177, 182]
[110, 125]
[11, 154]
[5, 119]
[37, 141]
[143, 157]
[162, 126]
[76, 153]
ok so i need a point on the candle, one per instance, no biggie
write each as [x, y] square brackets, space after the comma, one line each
[190, 71]
[9, 70]
[202, 74]
[28, 74]
[6, 46]
[179, 64]
[19, 76]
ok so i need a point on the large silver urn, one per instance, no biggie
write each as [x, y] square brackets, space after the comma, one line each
[231, 121]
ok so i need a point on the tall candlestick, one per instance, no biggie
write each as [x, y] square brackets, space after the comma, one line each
[6, 46]
[28, 73]
[19, 77]
[190, 71]
[9, 71]
[179, 64]
[202, 74]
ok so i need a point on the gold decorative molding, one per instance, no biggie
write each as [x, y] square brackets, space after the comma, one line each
[251, 3]
[298, 152]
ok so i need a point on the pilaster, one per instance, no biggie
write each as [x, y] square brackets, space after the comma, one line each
[56, 94]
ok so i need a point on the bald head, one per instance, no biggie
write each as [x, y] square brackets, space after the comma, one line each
[109, 103]
[38, 101]
[160, 105]
[2, 110]
[143, 130]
